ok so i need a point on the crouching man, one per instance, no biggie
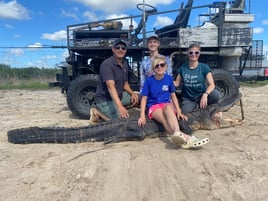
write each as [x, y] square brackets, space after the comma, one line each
[113, 91]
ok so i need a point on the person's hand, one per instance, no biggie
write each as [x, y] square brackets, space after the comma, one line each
[182, 116]
[142, 121]
[134, 98]
[204, 101]
[123, 112]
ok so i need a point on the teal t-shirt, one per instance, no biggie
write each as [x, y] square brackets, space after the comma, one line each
[194, 80]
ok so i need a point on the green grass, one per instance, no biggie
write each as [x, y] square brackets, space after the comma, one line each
[26, 78]
[254, 83]
[25, 84]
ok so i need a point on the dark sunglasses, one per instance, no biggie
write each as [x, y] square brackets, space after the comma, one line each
[162, 65]
[120, 47]
[194, 52]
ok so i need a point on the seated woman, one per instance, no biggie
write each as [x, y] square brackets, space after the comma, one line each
[198, 87]
[156, 94]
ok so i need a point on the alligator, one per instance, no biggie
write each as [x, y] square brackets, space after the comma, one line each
[126, 129]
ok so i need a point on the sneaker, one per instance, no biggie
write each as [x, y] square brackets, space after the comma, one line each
[178, 138]
[194, 142]
[94, 118]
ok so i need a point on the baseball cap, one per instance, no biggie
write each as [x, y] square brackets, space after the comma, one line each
[154, 36]
[118, 41]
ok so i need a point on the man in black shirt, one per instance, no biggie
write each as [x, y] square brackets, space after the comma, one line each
[113, 90]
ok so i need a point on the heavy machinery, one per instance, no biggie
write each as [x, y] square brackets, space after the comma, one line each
[225, 38]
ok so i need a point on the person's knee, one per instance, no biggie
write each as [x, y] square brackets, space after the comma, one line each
[214, 97]
[108, 109]
[186, 110]
[168, 107]
[126, 99]
[188, 106]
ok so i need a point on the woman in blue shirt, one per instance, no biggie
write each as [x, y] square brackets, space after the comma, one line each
[157, 93]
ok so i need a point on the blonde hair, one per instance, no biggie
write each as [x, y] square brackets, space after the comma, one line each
[156, 59]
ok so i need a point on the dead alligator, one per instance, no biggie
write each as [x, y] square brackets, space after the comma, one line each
[111, 131]
[122, 130]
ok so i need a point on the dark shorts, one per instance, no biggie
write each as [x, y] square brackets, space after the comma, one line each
[188, 105]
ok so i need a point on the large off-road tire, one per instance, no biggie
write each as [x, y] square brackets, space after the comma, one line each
[81, 94]
[226, 83]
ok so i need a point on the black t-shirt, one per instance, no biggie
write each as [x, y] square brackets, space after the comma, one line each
[110, 70]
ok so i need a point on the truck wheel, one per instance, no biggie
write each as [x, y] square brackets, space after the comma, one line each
[80, 95]
[226, 83]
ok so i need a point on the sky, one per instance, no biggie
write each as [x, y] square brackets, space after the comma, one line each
[27, 25]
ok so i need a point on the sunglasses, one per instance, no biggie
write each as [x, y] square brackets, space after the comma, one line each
[194, 52]
[120, 47]
[162, 65]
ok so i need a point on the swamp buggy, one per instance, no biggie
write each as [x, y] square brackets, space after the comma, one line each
[225, 38]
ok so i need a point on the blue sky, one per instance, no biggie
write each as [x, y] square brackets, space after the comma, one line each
[35, 23]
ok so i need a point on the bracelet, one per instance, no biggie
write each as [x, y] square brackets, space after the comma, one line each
[206, 93]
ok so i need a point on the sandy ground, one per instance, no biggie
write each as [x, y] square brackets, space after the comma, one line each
[232, 167]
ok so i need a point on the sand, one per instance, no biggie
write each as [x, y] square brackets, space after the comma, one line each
[232, 167]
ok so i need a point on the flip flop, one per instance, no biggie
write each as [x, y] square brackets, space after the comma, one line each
[178, 138]
[194, 142]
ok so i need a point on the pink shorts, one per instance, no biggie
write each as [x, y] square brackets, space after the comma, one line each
[155, 107]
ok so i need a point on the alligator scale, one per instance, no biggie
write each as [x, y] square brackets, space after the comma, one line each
[124, 130]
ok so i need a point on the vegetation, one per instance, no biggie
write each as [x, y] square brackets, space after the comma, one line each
[254, 83]
[26, 78]
[38, 78]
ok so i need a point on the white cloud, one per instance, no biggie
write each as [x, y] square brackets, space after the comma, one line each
[265, 48]
[258, 30]
[30, 63]
[90, 16]
[43, 61]
[69, 14]
[56, 36]
[8, 26]
[35, 45]
[16, 51]
[110, 6]
[65, 54]
[163, 21]
[16, 36]
[13, 10]
[265, 22]
[125, 22]
[49, 57]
